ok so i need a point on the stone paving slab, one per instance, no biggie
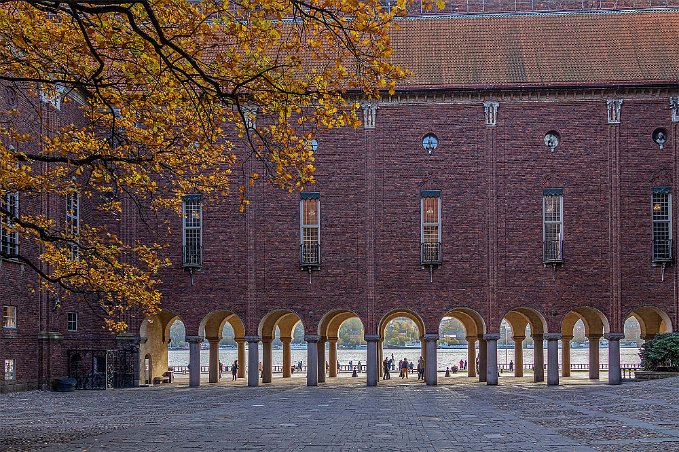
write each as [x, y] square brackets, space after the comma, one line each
[346, 415]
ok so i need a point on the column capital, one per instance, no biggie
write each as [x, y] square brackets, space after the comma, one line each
[491, 336]
[431, 337]
[253, 338]
[471, 338]
[312, 338]
[480, 337]
[194, 339]
[285, 339]
[212, 339]
[614, 336]
[594, 336]
[332, 339]
[371, 337]
[518, 338]
[566, 337]
[267, 339]
[239, 340]
[552, 336]
[537, 337]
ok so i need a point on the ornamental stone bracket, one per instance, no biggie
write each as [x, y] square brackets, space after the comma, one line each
[614, 107]
[252, 338]
[614, 336]
[553, 336]
[369, 113]
[194, 339]
[490, 112]
[431, 337]
[312, 338]
[491, 336]
[371, 337]
[674, 107]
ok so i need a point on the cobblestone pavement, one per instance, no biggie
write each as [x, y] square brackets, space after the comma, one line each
[347, 415]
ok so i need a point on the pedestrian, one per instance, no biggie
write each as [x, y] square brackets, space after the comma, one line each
[359, 366]
[392, 361]
[261, 370]
[327, 367]
[385, 366]
[221, 369]
[338, 366]
[234, 371]
[400, 368]
[461, 364]
[405, 368]
[465, 364]
[477, 364]
[420, 369]
[511, 365]
[412, 367]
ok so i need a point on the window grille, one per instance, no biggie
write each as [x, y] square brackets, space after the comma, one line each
[73, 221]
[10, 370]
[9, 238]
[192, 227]
[552, 225]
[662, 224]
[9, 317]
[72, 321]
[430, 227]
[310, 229]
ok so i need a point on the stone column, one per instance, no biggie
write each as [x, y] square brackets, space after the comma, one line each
[518, 355]
[471, 356]
[194, 360]
[267, 370]
[594, 356]
[430, 360]
[566, 356]
[332, 357]
[371, 365]
[241, 358]
[253, 360]
[287, 356]
[312, 359]
[614, 374]
[214, 361]
[538, 358]
[552, 358]
[483, 360]
[321, 360]
[491, 357]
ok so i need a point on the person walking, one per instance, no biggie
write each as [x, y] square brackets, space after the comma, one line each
[385, 366]
[511, 365]
[420, 369]
[234, 371]
[461, 364]
[400, 368]
[465, 364]
[221, 369]
[405, 368]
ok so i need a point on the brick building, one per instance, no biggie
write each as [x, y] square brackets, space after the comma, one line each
[525, 172]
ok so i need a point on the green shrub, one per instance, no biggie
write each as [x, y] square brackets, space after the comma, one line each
[661, 352]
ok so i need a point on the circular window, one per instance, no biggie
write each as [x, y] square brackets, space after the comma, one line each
[430, 142]
[660, 137]
[552, 139]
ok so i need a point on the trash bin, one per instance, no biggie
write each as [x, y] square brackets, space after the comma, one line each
[66, 384]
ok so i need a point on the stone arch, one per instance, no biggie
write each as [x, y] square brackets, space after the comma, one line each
[537, 322]
[286, 321]
[154, 335]
[596, 325]
[213, 323]
[518, 318]
[474, 327]
[651, 320]
[401, 313]
[328, 331]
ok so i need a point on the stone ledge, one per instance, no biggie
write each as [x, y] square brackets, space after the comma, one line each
[644, 375]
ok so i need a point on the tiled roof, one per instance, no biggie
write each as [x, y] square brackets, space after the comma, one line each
[552, 49]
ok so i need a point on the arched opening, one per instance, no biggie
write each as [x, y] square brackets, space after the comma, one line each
[459, 331]
[630, 345]
[582, 330]
[343, 333]
[282, 325]
[652, 321]
[163, 342]
[221, 361]
[401, 344]
[527, 328]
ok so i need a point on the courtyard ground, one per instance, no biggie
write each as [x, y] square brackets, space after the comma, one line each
[346, 415]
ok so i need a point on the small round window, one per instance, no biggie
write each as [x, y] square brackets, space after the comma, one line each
[660, 137]
[430, 142]
[552, 139]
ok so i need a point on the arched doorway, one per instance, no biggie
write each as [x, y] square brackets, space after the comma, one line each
[402, 338]
[212, 329]
[342, 329]
[595, 326]
[285, 322]
[523, 322]
[652, 321]
[159, 334]
[472, 330]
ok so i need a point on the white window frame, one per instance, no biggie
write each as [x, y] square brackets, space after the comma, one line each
[10, 369]
[72, 319]
[667, 191]
[73, 220]
[549, 194]
[198, 262]
[9, 240]
[425, 256]
[9, 317]
[315, 258]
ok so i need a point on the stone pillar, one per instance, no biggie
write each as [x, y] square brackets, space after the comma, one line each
[518, 355]
[312, 359]
[594, 356]
[483, 360]
[614, 374]
[214, 361]
[253, 360]
[471, 356]
[194, 360]
[241, 358]
[267, 370]
[566, 356]
[552, 358]
[371, 366]
[538, 358]
[430, 360]
[321, 360]
[287, 356]
[491, 357]
[332, 356]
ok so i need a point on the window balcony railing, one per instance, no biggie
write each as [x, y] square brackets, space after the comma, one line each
[193, 256]
[662, 250]
[552, 251]
[310, 255]
[430, 253]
